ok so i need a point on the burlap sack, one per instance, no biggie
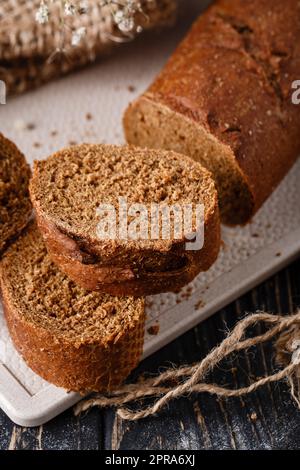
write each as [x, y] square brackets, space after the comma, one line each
[33, 53]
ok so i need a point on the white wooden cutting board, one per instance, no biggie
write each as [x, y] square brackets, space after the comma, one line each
[58, 114]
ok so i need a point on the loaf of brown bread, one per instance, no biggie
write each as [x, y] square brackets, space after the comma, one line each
[225, 99]
[15, 205]
[82, 341]
[68, 188]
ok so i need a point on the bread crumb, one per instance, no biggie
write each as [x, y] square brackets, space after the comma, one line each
[88, 116]
[199, 304]
[53, 133]
[72, 142]
[37, 145]
[253, 417]
[21, 125]
[153, 330]
[186, 294]
[223, 245]
[278, 255]
[131, 88]
[149, 303]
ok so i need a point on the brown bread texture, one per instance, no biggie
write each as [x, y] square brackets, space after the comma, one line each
[15, 205]
[225, 99]
[81, 341]
[68, 187]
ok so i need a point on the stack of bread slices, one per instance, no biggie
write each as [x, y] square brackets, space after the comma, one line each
[74, 302]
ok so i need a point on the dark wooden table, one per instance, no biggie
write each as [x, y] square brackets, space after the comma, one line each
[267, 419]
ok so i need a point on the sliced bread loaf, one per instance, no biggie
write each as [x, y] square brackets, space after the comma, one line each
[15, 206]
[78, 340]
[225, 99]
[68, 188]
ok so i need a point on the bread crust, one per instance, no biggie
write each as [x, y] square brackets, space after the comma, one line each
[99, 367]
[14, 180]
[232, 77]
[124, 279]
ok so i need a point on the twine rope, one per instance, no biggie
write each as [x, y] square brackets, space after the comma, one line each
[176, 383]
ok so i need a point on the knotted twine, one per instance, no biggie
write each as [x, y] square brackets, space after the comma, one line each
[176, 383]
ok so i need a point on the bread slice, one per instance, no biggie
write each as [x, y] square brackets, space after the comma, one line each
[78, 340]
[225, 99]
[15, 205]
[67, 189]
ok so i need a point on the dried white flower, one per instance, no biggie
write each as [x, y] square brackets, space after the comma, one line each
[123, 14]
[83, 7]
[77, 35]
[126, 25]
[124, 21]
[70, 9]
[42, 15]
